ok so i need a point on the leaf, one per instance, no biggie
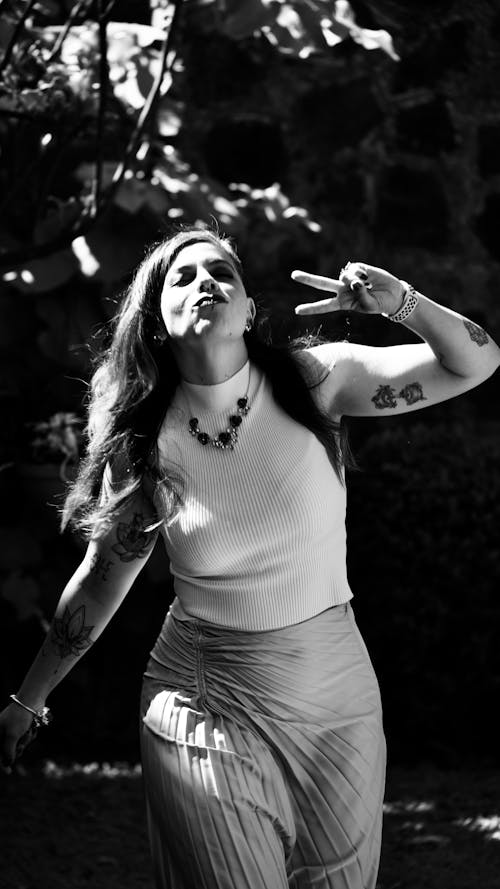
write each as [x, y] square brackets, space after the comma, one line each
[375, 40]
[367, 38]
[169, 117]
[301, 27]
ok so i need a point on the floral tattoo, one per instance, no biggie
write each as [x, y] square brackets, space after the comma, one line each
[69, 634]
[133, 542]
[386, 396]
[476, 333]
[412, 393]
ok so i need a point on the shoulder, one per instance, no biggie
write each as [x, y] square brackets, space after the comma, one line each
[118, 479]
[320, 365]
[319, 361]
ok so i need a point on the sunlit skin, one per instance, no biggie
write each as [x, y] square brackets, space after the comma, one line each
[207, 340]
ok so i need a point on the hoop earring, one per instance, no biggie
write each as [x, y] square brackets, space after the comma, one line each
[248, 325]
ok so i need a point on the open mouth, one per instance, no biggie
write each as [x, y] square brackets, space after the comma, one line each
[209, 300]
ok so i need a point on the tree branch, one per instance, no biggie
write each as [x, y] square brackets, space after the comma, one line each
[101, 113]
[88, 216]
[15, 34]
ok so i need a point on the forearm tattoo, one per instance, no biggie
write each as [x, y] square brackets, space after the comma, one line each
[69, 635]
[133, 541]
[476, 333]
[386, 396]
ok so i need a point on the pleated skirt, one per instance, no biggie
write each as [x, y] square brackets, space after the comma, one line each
[263, 756]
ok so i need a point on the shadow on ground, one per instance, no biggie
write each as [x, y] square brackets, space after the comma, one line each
[70, 827]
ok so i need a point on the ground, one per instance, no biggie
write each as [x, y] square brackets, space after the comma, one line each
[83, 826]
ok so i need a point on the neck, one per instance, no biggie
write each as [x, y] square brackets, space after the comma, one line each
[207, 367]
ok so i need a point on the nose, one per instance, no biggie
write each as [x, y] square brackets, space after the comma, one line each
[208, 285]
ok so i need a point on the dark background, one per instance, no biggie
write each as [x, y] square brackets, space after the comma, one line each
[397, 164]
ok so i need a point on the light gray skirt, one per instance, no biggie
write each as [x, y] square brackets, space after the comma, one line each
[263, 756]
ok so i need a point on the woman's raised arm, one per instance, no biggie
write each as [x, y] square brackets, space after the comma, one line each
[456, 354]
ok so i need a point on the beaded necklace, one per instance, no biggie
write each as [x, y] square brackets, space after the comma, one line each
[226, 439]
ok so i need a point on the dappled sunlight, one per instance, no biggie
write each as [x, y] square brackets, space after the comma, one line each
[397, 808]
[435, 822]
[438, 827]
[489, 827]
[54, 770]
[416, 831]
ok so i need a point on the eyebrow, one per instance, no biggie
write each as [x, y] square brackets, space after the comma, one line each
[210, 263]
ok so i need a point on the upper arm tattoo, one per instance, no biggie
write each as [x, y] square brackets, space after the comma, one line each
[100, 566]
[133, 541]
[386, 396]
[412, 393]
[476, 333]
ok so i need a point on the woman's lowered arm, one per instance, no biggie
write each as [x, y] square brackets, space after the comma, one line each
[89, 600]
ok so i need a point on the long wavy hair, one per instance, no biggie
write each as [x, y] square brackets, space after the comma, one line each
[134, 382]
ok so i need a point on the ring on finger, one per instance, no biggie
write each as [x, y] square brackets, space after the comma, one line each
[356, 284]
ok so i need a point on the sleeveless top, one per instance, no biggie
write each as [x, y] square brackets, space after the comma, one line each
[259, 541]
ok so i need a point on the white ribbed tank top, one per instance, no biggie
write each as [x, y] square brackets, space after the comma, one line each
[260, 540]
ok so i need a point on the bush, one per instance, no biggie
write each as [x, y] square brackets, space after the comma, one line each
[424, 567]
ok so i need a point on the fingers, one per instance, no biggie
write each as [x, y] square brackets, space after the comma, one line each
[357, 284]
[318, 308]
[317, 281]
[13, 747]
[355, 277]
[352, 290]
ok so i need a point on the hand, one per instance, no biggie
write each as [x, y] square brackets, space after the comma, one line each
[360, 287]
[17, 730]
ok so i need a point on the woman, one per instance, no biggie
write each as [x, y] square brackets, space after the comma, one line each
[262, 742]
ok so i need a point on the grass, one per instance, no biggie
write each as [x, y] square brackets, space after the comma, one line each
[83, 826]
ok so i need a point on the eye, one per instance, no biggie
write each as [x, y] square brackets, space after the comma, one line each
[178, 279]
[223, 272]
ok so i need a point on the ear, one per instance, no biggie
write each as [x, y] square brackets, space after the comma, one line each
[251, 309]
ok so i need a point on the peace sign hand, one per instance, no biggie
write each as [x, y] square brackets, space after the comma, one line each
[360, 287]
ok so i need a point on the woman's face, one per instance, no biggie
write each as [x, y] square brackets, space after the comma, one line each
[203, 295]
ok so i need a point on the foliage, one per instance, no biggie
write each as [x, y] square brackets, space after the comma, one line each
[56, 438]
[423, 562]
[425, 569]
[85, 101]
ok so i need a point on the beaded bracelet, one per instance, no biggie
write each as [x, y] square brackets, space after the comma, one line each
[40, 717]
[409, 304]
